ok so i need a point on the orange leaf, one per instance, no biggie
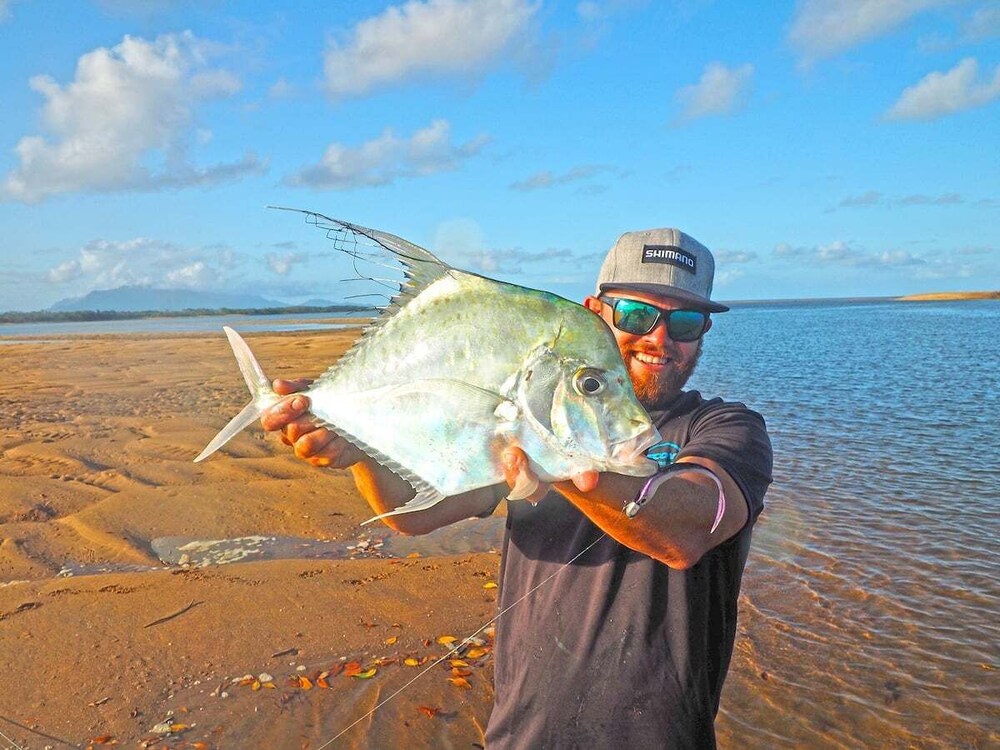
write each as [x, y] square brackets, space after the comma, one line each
[447, 640]
[255, 685]
[414, 554]
[429, 711]
[391, 641]
[460, 682]
[304, 682]
[475, 653]
[352, 668]
[489, 585]
[456, 672]
[322, 683]
[366, 674]
[411, 662]
[105, 739]
[458, 663]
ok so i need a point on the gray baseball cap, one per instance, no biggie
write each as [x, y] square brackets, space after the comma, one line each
[661, 261]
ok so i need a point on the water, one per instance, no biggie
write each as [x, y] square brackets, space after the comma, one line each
[870, 616]
[871, 608]
[196, 324]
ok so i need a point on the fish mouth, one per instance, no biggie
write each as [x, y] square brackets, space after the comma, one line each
[628, 456]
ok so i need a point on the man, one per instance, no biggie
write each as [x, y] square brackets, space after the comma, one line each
[629, 645]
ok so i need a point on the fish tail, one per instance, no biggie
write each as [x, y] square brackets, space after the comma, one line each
[262, 395]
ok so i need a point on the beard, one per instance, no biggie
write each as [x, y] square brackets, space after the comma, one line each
[657, 392]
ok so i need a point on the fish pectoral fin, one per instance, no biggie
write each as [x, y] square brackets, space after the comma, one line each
[422, 501]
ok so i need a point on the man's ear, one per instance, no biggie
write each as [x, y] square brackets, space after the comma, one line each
[593, 304]
[708, 326]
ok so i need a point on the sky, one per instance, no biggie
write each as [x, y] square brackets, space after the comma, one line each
[820, 148]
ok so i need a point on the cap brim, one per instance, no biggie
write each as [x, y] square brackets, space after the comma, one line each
[690, 298]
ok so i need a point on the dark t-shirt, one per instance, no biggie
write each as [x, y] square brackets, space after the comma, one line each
[619, 650]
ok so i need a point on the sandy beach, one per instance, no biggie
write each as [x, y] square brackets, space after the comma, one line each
[119, 626]
[97, 437]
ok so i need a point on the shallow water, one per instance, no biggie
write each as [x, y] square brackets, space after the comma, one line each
[871, 607]
[473, 535]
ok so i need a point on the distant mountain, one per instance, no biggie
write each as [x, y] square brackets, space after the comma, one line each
[136, 298]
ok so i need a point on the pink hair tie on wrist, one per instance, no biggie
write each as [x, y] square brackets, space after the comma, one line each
[633, 507]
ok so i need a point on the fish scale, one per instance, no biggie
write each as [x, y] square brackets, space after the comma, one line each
[458, 367]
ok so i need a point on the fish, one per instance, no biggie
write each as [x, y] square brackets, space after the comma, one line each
[459, 366]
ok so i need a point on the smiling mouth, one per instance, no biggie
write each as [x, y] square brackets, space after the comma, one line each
[649, 359]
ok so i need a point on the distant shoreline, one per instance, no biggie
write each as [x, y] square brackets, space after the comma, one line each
[48, 316]
[948, 296]
[44, 316]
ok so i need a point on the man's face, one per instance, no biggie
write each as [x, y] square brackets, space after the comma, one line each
[658, 366]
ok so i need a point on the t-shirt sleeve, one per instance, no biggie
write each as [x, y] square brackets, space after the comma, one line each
[736, 438]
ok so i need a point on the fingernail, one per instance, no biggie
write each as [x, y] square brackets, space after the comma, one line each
[298, 404]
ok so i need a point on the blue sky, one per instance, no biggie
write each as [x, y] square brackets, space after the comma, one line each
[821, 148]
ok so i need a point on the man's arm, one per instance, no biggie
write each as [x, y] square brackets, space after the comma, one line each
[383, 489]
[673, 527]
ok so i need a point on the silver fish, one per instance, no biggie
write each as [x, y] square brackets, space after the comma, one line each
[459, 366]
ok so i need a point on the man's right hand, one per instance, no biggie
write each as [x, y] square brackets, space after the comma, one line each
[317, 445]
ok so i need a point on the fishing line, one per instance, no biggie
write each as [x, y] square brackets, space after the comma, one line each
[12, 743]
[460, 646]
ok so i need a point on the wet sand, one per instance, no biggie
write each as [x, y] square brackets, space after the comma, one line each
[97, 437]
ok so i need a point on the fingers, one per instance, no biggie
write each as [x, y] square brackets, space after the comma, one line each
[284, 412]
[283, 387]
[522, 481]
[586, 481]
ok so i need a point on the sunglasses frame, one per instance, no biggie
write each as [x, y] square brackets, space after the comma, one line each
[661, 314]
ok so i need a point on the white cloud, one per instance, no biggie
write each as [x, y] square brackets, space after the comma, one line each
[939, 94]
[281, 263]
[840, 253]
[724, 257]
[126, 106]
[384, 159]
[719, 91]
[546, 179]
[438, 37]
[822, 28]
[108, 264]
[595, 11]
[868, 198]
[983, 24]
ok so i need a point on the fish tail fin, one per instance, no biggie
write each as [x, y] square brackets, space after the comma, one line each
[262, 395]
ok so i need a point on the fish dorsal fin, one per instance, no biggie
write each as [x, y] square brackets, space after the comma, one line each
[421, 267]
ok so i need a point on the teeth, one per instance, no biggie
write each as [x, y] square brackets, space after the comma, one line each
[650, 360]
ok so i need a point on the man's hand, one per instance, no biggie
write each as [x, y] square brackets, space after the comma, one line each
[516, 471]
[317, 445]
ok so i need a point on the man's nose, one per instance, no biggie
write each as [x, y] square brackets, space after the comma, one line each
[659, 334]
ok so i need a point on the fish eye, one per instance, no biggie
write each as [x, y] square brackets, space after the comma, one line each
[589, 382]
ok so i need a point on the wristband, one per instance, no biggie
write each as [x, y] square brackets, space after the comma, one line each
[633, 507]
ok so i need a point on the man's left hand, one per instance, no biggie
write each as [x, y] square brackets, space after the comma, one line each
[515, 466]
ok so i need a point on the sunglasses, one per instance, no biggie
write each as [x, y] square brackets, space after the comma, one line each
[639, 318]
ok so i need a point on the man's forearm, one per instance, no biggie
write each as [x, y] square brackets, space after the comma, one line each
[674, 527]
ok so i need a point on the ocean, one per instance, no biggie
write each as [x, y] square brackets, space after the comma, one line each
[870, 613]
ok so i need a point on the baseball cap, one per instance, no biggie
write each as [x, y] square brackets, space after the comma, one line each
[661, 261]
